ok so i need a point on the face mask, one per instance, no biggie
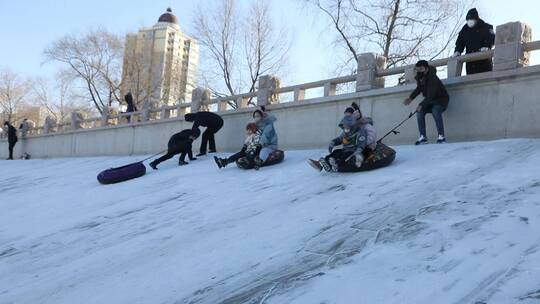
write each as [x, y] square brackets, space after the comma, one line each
[471, 23]
[346, 130]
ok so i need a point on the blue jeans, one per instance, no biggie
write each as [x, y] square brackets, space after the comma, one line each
[266, 151]
[436, 110]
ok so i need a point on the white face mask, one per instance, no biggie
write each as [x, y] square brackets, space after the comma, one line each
[346, 130]
[471, 23]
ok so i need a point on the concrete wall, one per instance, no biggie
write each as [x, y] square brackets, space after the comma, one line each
[484, 106]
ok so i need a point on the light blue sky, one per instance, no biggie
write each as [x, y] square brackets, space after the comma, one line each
[26, 27]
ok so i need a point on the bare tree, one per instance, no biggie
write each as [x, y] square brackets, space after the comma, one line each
[400, 30]
[56, 98]
[238, 53]
[13, 93]
[93, 61]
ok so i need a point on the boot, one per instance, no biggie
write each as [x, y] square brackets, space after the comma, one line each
[221, 162]
[153, 165]
[315, 164]
[182, 163]
[325, 165]
[200, 154]
[441, 139]
[257, 163]
[422, 140]
[333, 164]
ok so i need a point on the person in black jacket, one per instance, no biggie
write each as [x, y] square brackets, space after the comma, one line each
[213, 124]
[180, 143]
[12, 138]
[435, 100]
[131, 107]
[476, 36]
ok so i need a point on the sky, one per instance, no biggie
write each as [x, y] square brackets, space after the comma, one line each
[27, 27]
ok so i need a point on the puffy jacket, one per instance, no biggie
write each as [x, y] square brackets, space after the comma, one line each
[475, 38]
[268, 133]
[205, 119]
[356, 140]
[180, 141]
[432, 88]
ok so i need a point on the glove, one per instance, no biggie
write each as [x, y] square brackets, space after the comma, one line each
[330, 148]
[359, 160]
[456, 54]
[484, 49]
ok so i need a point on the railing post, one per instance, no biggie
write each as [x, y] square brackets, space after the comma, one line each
[242, 102]
[299, 94]
[509, 53]
[222, 105]
[366, 77]
[165, 112]
[145, 111]
[48, 125]
[329, 89]
[76, 119]
[105, 113]
[409, 75]
[454, 68]
[266, 91]
[199, 97]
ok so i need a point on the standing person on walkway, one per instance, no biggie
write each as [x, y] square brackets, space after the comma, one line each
[179, 143]
[24, 127]
[213, 124]
[12, 137]
[131, 107]
[476, 36]
[435, 100]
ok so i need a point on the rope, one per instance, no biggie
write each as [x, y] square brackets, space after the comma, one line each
[394, 130]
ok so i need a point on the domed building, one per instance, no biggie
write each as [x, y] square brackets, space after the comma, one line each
[160, 63]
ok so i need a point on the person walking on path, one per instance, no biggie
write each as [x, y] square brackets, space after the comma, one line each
[12, 137]
[131, 107]
[435, 100]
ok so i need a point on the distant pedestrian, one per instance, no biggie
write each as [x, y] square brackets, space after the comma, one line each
[213, 124]
[435, 100]
[476, 36]
[131, 107]
[179, 143]
[24, 127]
[12, 137]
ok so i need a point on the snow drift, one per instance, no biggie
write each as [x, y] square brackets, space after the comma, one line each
[455, 223]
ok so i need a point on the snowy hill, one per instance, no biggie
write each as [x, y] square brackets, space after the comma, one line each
[454, 223]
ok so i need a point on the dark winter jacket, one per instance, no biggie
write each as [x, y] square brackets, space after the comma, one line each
[475, 38]
[180, 142]
[205, 119]
[431, 88]
[12, 134]
[130, 105]
[268, 133]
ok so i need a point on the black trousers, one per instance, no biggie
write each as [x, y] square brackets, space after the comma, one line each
[243, 153]
[171, 153]
[481, 66]
[208, 138]
[10, 147]
[340, 156]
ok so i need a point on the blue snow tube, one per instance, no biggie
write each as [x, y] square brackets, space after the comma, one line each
[120, 174]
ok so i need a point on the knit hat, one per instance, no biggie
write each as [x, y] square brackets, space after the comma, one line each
[252, 127]
[422, 63]
[349, 110]
[472, 15]
[348, 121]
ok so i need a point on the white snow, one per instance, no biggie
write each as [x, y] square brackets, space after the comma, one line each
[454, 223]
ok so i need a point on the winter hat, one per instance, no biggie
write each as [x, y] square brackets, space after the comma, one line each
[252, 127]
[348, 121]
[6, 123]
[349, 110]
[422, 63]
[260, 113]
[472, 15]
[189, 117]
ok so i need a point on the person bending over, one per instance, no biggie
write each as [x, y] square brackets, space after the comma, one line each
[179, 143]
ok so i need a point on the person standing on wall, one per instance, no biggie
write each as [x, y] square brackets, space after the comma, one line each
[476, 36]
[24, 128]
[131, 107]
[213, 124]
[435, 100]
[12, 137]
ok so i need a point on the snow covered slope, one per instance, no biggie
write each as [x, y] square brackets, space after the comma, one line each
[454, 223]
